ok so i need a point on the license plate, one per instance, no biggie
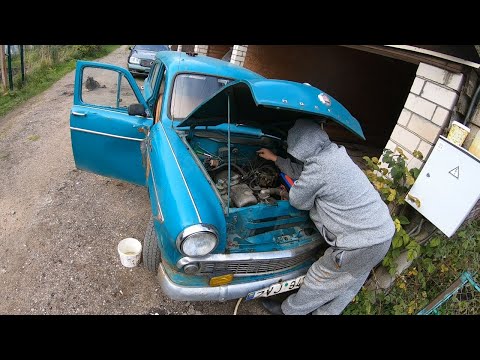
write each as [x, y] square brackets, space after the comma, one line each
[146, 63]
[277, 288]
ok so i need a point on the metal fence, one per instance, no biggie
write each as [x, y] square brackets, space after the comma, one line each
[461, 298]
[19, 61]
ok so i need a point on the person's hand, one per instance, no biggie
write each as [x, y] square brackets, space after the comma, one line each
[267, 154]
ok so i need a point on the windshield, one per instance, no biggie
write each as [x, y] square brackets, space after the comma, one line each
[151, 47]
[190, 90]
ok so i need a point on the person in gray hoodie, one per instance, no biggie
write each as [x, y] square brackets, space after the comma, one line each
[345, 208]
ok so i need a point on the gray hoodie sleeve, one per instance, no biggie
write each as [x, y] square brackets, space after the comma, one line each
[304, 191]
[288, 167]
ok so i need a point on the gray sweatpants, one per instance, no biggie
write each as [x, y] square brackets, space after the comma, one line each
[334, 280]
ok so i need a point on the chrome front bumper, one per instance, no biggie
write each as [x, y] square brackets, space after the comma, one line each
[217, 293]
[138, 68]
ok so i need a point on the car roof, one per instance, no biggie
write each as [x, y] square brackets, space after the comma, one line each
[176, 62]
[153, 45]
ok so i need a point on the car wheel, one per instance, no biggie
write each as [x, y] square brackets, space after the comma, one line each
[151, 252]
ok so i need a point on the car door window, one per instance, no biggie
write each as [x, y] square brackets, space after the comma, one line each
[154, 74]
[159, 103]
[106, 88]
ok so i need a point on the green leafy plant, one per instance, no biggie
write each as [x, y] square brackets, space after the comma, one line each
[442, 261]
[392, 179]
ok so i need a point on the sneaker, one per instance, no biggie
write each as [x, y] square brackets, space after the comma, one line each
[272, 306]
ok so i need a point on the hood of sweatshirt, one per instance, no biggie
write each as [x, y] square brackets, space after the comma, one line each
[306, 139]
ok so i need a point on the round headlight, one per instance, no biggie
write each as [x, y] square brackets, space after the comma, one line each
[197, 240]
[134, 60]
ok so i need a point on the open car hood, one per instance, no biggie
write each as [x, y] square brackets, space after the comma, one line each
[270, 105]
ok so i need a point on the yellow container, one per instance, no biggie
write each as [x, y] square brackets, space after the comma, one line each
[475, 146]
[458, 133]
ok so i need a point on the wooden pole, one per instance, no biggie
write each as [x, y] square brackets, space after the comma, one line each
[4, 67]
[10, 73]
[22, 63]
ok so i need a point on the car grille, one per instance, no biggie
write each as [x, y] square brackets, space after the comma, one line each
[146, 62]
[251, 267]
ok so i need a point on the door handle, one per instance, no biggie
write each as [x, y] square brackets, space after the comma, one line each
[78, 113]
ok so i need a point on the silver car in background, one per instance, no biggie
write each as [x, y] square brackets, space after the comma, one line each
[141, 58]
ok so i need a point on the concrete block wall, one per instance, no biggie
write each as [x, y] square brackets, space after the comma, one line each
[474, 126]
[471, 84]
[239, 53]
[426, 113]
[201, 49]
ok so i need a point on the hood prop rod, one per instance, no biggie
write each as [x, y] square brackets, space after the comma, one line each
[228, 153]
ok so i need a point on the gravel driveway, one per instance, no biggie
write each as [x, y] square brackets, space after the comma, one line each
[59, 227]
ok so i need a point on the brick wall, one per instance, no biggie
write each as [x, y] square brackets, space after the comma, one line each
[238, 54]
[427, 111]
[201, 49]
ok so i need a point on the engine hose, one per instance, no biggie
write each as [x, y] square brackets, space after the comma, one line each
[238, 168]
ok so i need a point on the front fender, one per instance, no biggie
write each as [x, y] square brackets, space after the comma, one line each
[180, 194]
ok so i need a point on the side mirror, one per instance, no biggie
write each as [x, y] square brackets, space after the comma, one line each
[136, 109]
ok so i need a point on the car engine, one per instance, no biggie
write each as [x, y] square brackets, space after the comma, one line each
[252, 183]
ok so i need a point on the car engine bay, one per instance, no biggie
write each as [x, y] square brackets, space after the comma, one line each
[253, 180]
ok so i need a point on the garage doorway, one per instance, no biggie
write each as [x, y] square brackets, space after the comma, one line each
[372, 87]
[188, 48]
[223, 52]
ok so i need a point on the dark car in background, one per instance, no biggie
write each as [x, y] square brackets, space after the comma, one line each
[142, 57]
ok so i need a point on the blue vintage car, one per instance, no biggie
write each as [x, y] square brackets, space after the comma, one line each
[221, 225]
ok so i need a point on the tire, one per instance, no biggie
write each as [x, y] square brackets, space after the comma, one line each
[151, 252]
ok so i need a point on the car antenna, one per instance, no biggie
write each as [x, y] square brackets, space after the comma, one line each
[228, 152]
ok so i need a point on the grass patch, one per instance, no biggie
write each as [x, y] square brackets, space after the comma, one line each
[45, 66]
[441, 262]
[33, 137]
[5, 130]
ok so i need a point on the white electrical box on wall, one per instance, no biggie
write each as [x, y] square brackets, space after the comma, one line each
[448, 186]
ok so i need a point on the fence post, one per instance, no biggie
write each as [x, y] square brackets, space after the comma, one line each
[10, 76]
[22, 63]
[4, 67]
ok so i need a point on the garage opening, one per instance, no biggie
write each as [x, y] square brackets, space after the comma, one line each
[373, 88]
[188, 48]
[223, 52]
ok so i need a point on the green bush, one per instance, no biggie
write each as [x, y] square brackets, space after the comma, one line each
[393, 180]
[443, 260]
[81, 51]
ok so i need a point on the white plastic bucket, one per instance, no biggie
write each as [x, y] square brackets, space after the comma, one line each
[130, 251]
